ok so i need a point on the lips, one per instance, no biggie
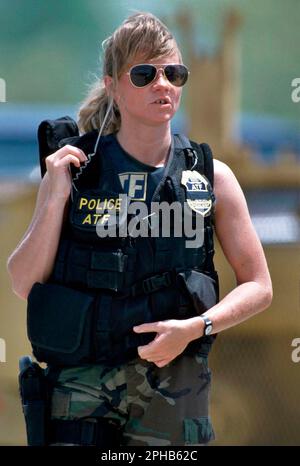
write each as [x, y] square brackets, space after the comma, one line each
[162, 101]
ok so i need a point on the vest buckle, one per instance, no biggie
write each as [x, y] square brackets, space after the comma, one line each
[156, 282]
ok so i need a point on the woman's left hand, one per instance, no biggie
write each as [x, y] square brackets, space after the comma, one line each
[172, 338]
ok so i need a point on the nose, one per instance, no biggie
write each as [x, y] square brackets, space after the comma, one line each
[161, 78]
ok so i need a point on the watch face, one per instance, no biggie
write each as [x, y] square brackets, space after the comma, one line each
[208, 329]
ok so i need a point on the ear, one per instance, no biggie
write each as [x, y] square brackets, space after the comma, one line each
[110, 89]
[108, 82]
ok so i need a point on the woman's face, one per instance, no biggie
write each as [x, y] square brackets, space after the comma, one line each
[153, 104]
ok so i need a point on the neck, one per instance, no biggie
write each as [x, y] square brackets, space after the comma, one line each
[149, 145]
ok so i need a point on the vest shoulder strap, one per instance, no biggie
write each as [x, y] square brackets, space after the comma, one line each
[204, 162]
[55, 134]
[205, 154]
[50, 133]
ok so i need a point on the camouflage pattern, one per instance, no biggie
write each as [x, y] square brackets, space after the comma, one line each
[155, 406]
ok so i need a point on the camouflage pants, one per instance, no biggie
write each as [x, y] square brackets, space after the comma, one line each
[155, 406]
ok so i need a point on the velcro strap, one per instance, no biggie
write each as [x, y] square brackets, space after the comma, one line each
[154, 283]
[114, 261]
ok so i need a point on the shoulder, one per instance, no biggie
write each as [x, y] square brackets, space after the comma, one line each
[85, 141]
[88, 140]
[221, 171]
[223, 175]
[227, 189]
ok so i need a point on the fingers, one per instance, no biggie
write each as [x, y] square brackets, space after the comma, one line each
[157, 359]
[68, 149]
[66, 155]
[162, 363]
[159, 362]
[66, 161]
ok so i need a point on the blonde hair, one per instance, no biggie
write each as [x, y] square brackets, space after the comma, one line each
[129, 41]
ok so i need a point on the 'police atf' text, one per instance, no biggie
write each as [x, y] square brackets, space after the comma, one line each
[95, 209]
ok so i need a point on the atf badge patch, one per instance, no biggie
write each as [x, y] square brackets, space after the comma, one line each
[198, 192]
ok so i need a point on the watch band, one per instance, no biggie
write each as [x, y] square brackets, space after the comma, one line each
[208, 325]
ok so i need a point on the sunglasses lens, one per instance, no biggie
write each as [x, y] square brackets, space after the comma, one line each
[177, 74]
[141, 75]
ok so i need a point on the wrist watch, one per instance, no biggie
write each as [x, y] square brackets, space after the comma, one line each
[208, 325]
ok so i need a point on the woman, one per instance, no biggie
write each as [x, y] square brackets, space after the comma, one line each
[150, 304]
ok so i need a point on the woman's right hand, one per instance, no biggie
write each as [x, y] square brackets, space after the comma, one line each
[58, 170]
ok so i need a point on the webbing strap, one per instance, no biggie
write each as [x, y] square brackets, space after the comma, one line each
[86, 432]
[154, 283]
[193, 155]
[205, 154]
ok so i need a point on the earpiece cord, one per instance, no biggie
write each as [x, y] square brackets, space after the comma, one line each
[195, 159]
[89, 156]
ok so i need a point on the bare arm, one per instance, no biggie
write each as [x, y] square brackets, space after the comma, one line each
[243, 251]
[34, 256]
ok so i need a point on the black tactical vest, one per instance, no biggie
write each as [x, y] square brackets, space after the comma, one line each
[103, 286]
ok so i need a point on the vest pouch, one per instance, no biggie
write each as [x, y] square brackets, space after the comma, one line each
[119, 317]
[203, 292]
[107, 270]
[93, 268]
[201, 288]
[59, 324]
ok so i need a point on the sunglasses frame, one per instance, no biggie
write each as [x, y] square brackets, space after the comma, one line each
[158, 67]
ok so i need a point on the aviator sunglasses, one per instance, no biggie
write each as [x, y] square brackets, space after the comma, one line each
[144, 74]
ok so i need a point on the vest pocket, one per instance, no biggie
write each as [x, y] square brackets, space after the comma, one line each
[200, 287]
[59, 321]
[107, 270]
[95, 268]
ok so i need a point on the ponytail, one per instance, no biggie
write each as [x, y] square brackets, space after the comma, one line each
[93, 109]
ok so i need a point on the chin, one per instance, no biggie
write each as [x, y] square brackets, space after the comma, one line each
[162, 119]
